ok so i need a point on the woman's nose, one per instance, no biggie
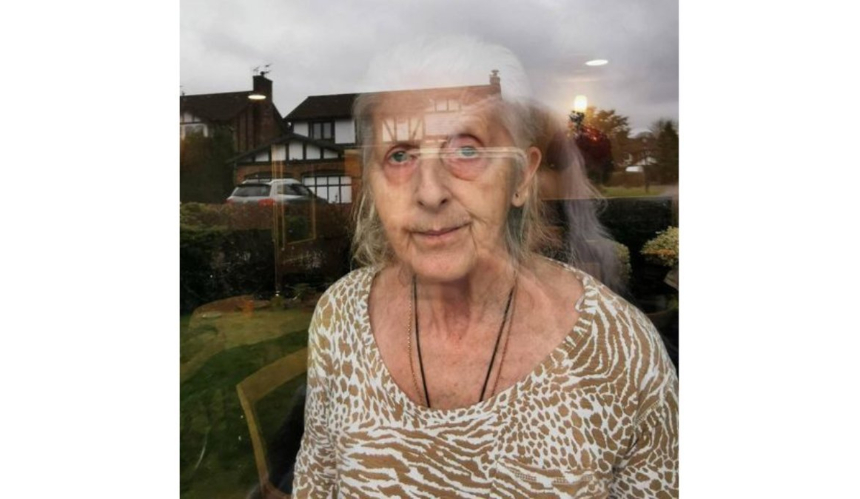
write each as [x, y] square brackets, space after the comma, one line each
[432, 188]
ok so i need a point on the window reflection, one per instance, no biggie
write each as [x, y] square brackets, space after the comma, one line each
[265, 228]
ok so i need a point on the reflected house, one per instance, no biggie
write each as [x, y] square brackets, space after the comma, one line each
[315, 144]
[317, 149]
[253, 122]
[317, 163]
[230, 122]
[320, 149]
[328, 119]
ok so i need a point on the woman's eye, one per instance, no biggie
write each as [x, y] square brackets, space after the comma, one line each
[463, 148]
[467, 152]
[398, 157]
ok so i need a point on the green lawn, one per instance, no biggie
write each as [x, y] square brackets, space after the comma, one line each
[201, 337]
[630, 192]
[216, 353]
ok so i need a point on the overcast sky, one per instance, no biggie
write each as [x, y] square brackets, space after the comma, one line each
[324, 47]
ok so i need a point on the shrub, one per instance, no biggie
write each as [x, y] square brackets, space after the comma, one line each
[217, 262]
[663, 249]
[224, 216]
[202, 215]
[625, 269]
[228, 250]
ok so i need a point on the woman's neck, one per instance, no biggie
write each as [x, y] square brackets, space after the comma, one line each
[457, 310]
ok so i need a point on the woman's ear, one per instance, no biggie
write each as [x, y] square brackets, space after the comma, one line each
[533, 158]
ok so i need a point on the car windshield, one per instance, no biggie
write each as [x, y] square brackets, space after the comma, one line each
[251, 190]
[294, 189]
[288, 189]
[302, 190]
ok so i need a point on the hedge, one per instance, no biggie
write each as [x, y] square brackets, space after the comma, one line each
[217, 263]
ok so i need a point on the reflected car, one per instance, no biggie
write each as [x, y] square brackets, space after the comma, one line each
[270, 192]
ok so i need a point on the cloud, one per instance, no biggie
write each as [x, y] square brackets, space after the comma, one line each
[327, 48]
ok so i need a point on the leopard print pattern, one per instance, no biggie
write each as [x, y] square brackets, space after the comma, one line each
[597, 418]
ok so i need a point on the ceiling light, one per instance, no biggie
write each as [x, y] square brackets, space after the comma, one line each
[597, 62]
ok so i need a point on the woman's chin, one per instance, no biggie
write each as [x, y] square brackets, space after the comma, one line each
[441, 268]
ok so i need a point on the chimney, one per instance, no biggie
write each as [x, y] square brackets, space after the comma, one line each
[263, 127]
[263, 85]
[495, 80]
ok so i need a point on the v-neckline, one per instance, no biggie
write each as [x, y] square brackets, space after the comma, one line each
[585, 306]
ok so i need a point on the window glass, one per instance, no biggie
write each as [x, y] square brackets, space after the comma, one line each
[322, 130]
[345, 195]
[252, 271]
[334, 189]
[402, 129]
[387, 127]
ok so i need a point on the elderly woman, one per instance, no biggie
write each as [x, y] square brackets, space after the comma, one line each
[459, 362]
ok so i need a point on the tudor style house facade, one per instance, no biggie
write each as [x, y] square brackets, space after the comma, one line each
[325, 117]
[320, 150]
[317, 163]
[251, 116]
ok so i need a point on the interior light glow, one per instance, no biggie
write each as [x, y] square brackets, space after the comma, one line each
[580, 103]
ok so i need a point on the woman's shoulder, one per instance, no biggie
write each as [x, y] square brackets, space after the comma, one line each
[339, 309]
[619, 329]
[350, 287]
[596, 297]
[346, 296]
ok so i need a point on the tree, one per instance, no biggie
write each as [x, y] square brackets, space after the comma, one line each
[204, 175]
[596, 150]
[666, 154]
[614, 126]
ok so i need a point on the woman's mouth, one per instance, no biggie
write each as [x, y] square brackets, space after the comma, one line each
[440, 235]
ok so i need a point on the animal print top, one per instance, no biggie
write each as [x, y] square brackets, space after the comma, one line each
[597, 418]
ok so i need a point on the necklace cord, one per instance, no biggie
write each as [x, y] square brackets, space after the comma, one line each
[409, 344]
[418, 342]
[498, 337]
[418, 339]
[507, 340]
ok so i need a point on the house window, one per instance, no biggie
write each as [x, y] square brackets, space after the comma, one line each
[332, 188]
[323, 130]
[189, 118]
[394, 129]
[195, 129]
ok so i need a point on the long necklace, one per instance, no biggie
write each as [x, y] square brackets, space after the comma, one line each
[414, 313]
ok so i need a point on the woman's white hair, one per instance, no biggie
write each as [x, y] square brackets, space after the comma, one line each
[449, 61]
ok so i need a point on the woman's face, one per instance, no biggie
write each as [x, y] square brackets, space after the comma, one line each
[443, 184]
